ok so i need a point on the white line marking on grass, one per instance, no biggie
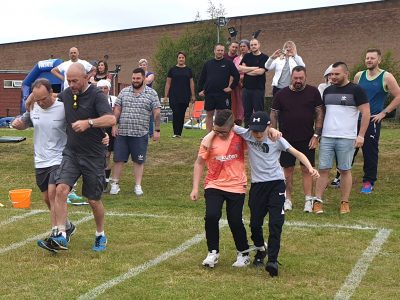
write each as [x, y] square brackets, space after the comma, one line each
[17, 218]
[354, 278]
[288, 223]
[142, 215]
[327, 225]
[97, 291]
[37, 237]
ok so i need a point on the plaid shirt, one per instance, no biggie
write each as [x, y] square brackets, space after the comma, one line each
[136, 111]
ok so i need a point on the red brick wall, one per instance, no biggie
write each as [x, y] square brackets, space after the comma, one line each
[10, 98]
[322, 36]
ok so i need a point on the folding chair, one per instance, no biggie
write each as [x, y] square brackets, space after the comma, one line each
[197, 114]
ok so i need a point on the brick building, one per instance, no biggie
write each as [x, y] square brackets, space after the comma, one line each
[10, 91]
[322, 36]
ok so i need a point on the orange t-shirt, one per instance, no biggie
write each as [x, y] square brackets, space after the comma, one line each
[225, 163]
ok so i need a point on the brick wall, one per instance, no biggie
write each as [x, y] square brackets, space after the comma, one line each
[322, 36]
[10, 97]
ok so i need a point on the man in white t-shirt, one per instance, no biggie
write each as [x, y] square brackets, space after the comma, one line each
[61, 70]
[47, 117]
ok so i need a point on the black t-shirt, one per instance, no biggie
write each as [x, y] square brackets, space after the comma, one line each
[92, 104]
[296, 112]
[251, 60]
[215, 76]
[179, 91]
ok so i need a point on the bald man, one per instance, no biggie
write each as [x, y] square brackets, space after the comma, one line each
[87, 113]
[61, 70]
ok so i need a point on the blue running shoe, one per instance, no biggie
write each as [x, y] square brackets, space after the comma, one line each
[73, 197]
[70, 232]
[100, 243]
[47, 245]
[367, 188]
[59, 242]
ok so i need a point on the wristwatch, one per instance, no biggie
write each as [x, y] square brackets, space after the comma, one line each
[315, 135]
[91, 123]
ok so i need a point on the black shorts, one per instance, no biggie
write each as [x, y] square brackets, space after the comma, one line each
[219, 101]
[110, 147]
[90, 167]
[288, 160]
[45, 176]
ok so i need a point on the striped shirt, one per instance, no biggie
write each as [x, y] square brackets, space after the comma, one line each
[136, 111]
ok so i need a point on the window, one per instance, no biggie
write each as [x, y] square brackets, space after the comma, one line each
[12, 84]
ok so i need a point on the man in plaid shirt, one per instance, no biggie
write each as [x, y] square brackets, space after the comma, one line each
[133, 109]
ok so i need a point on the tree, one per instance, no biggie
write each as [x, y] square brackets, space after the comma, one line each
[389, 64]
[197, 41]
[198, 44]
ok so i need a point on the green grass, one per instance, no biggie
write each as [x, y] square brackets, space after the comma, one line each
[315, 260]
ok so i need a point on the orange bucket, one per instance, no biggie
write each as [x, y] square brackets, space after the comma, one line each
[20, 198]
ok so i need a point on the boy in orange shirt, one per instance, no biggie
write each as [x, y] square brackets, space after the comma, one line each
[225, 181]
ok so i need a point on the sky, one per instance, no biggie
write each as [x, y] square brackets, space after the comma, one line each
[32, 20]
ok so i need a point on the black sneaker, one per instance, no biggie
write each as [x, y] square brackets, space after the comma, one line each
[272, 268]
[335, 183]
[259, 258]
[70, 232]
[47, 245]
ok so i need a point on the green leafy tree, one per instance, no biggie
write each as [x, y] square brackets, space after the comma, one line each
[197, 41]
[388, 63]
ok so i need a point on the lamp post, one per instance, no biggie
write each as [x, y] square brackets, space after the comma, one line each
[221, 22]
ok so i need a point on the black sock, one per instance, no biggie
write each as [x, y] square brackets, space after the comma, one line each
[108, 173]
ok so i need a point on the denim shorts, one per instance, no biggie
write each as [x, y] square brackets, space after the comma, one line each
[342, 148]
[136, 147]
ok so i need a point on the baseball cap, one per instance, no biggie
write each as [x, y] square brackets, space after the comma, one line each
[259, 121]
[103, 82]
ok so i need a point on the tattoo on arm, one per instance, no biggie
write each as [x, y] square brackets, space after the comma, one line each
[274, 118]
[319, 119]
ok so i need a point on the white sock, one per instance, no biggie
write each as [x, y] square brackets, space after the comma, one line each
[99, 233]
[67, 224]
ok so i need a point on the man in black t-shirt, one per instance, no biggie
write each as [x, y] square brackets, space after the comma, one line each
[87, 112]
[217, 79]
[298, 109]
[253, 67]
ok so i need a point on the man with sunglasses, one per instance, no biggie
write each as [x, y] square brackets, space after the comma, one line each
[87, 112]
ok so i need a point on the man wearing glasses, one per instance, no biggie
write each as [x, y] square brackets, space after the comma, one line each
[225, 181]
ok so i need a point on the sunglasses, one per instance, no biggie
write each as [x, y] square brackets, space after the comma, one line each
[75, 105]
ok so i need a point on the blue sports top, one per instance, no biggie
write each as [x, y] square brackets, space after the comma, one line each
[375, 91]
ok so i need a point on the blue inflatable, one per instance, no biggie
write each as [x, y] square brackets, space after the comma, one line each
[40, 70]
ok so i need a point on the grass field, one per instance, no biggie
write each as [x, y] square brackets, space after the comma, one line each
[156, 242]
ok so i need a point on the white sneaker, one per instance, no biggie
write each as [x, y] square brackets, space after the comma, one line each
[211, 259]
[288, 205]
[114, 188]
[308, 204]
[138, 190]
[241, 261]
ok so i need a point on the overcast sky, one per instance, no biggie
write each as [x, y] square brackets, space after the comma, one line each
[31, 20]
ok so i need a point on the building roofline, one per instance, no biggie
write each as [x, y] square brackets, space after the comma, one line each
[377, 2]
